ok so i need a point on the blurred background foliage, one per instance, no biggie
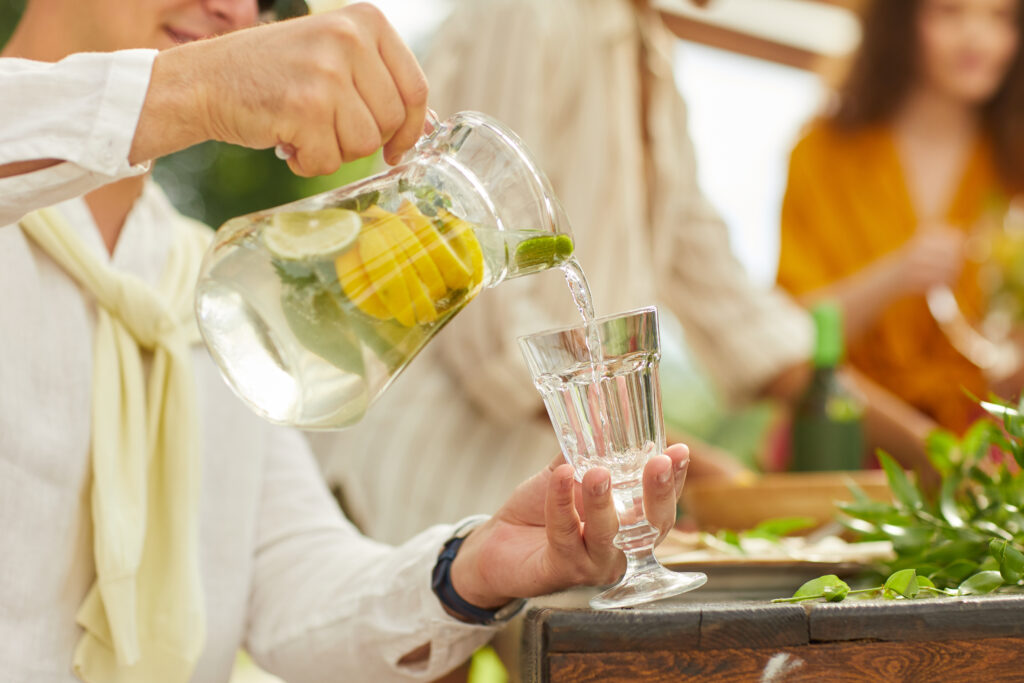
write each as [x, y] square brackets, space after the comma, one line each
[214, 181]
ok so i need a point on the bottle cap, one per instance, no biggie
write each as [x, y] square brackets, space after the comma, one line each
[828, 334]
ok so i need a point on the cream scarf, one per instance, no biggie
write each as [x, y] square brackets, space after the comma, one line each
[143, 618]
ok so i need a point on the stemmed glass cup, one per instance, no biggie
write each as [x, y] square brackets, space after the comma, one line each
[606, 409]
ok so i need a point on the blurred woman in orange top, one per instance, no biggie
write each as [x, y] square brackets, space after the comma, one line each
[928, 128]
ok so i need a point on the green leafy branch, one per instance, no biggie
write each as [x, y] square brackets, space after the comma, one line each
[966, 539]
[773, 530]
[905, 584]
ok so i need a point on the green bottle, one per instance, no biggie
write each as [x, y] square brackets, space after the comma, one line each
[828, 429]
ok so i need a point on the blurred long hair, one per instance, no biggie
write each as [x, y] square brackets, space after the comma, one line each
[884, 70]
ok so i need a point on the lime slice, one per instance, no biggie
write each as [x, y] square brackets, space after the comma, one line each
[309, 235]
[544, 251]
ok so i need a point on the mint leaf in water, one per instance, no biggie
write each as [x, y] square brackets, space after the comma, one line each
[361, 202]
[294, 273]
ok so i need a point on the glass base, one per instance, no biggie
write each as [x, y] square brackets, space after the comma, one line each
[647, 586]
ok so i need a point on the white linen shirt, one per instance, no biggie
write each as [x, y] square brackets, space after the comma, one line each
[83, 110]
[284, 575]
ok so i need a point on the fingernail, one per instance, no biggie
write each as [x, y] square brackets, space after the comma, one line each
[602, 487]
[565, 484]
[680, 464]
[665, 476]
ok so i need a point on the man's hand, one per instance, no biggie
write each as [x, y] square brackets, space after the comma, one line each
[334, 87]
[554, 533]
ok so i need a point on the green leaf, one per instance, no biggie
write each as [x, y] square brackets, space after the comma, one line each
[1011, 561]
[1014, 425]
[924, 582]
[875, 512]
[947, 501]
[903, 583]
[989, 564]
[950, 551]
[975, 443]
[992, 530]
[941, 447]
[815, 588]
[902, 488]
[955, 572]
[981, 583]
[294, 273]
[363, 201]
[912, 540]
[858, 493]
[731, 537]
[783, 526]
[836, 593]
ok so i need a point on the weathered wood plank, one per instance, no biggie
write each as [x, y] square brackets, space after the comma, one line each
[590, 631]
[940, 619]
[533, 657]
[992, 659]
[752, 625]
[679, 627]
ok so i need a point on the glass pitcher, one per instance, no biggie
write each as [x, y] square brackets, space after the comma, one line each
[313, 308]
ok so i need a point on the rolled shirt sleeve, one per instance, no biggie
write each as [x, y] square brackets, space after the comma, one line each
[82, 110]
[330, 604]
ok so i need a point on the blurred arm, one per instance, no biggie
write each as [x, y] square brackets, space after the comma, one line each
[747, 336]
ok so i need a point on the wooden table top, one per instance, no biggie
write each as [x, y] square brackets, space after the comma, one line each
[723, 640]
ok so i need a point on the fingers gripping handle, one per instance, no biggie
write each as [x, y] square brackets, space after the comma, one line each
[285, 151]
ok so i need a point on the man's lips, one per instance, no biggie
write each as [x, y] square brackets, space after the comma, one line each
[180, 36]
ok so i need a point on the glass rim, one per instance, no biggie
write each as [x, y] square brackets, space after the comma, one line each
[636, 312]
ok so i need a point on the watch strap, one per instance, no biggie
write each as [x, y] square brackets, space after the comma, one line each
[441, 583]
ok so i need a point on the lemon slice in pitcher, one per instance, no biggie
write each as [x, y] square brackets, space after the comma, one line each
[310, 235]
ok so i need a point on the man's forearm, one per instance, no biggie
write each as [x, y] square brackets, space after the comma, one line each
[862, 296]
[170, 113]
[23, 167]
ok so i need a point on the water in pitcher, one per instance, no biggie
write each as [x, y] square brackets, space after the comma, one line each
[317, 311]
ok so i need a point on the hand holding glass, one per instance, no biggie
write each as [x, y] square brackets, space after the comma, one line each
[607, 413]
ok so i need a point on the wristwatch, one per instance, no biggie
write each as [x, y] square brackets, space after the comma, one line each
[441, 583]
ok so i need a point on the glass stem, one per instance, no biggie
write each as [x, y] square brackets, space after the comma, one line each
[640, 561]
[636, 536]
